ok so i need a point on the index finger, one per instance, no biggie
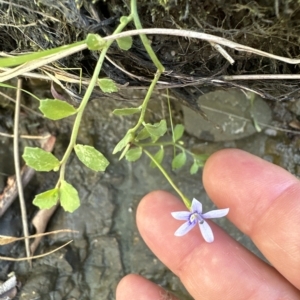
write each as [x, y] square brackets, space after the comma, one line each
[264, 202]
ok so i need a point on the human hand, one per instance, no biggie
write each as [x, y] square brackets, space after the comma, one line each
[264, 202]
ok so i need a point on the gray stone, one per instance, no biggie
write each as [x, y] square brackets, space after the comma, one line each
[230, 116]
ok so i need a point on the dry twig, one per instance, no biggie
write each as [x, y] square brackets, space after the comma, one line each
[17, 168]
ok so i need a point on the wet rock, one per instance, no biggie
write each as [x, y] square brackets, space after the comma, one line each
[102, 267]
[230, 116]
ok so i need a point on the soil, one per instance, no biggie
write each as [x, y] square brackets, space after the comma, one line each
[108, 244]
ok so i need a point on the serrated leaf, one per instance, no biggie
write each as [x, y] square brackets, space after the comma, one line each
[91, 157]
[194, 168]
[156, 130]
[107, 85]
[178, 161]
[47, 199]
[126, 111]
[133, 154]
[159, 156]
[125, 43]
[178, 132]
[68, 196]
[123, 143]
[39, 159]
[142, 135]
[55, 109]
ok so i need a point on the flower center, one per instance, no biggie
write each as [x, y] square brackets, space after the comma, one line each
[196, 217]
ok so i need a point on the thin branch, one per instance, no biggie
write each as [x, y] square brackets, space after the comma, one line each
[262, 76]
[23, 106]
[223, 52]
[202, 36]
[17, 168]
[35, 256]
[29, 137]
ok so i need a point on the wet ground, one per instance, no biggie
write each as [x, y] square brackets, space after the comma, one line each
[108, 245]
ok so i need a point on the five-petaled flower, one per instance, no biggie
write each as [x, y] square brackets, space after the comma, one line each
[195, 216]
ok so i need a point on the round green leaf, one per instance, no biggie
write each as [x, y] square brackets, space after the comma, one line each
[107, 85]
[178, 161]
[68, 196]
[91, 157]
[159, 156]
[125, 43]
[194, 168]
[133, 154]
[126, 111]
[47, 199]
[142, 135]
[55, 109]
[178, 132]
[156, 130]
[95, 42]
[39, 159]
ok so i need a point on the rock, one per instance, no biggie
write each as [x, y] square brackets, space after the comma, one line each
[230, 116]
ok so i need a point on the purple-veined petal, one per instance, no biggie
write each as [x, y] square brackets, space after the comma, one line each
[196, 206]
[181, 215]
[218, 213]
[184, 228]
[206, 232]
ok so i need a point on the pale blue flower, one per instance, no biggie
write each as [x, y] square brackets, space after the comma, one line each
[194, 217]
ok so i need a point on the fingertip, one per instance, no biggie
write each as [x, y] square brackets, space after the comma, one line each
[136, 287]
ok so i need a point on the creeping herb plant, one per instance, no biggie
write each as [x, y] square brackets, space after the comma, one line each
[131, 147]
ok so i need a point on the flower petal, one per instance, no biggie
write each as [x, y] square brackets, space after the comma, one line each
[184, 228]
[196, 206]
[206, 232]
[181, 215]
[218, 213]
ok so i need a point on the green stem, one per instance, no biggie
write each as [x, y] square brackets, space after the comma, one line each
[164, 144]
[185, 200]
[145, 41]
[85, 100]
[145, 103]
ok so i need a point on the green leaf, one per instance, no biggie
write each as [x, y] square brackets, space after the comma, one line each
[200, 159]
[125, 43]
[124, 151]
[47, 199]
[156, 130]
[178, 161]
[55, 109]
[107, 85]
[68, 195]
[95, 42]
[159, 156]
[126, 111]
[39, 159]
[178, 132]
[142, 135]
[21, 59]
[123, 143]
[91, 157]
[194, 168]
[133, 154]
